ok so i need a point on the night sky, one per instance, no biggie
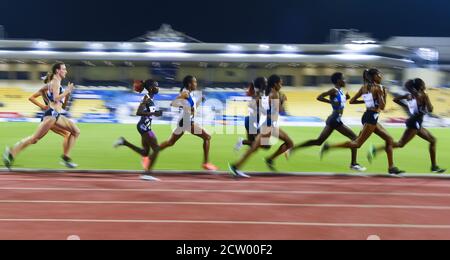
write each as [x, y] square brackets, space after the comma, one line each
[244, 21]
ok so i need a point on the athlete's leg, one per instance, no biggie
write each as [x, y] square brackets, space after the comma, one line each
[42, 130]
[346, 131]
[326, 132]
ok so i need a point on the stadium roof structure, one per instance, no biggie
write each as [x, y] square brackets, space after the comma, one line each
[434, 49]
[168, 45]
[165, 34]
[206, 52]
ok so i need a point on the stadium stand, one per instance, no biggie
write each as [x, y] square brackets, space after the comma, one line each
[81, 107]
[15, 100]
[304, 103]
[439, 98]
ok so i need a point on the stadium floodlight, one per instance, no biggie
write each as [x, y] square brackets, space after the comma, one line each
[288, 56]
[428, 54]
[361, 47]
[125, 45]
[364, 42]
[353, 57]
[168, 54]
[96, 46]
[408, 61]
[166, 45]
[289, 48]
[41, 45]
[95, 53]
[234, 47]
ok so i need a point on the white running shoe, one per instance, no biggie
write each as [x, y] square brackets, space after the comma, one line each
[288, 154]
[239, 144]
[149, 178]
[358, 168]
[237, 173]
[119, 142]
[69, 164]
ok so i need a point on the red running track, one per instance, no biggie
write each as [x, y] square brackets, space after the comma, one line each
[207, 207]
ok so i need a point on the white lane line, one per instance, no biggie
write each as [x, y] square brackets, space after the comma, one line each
[212, 222]
[385, 193]
[245, 204]
[336, 183]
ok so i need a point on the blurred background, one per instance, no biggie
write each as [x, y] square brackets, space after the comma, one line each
[108, 45]
[104, 71]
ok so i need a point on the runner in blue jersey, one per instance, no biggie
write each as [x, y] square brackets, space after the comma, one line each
[337, 99]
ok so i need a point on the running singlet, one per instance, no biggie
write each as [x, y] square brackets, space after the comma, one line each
[145, 124]
[51, 96]
[338, 103]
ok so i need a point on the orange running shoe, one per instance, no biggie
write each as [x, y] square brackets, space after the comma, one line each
[210, 167]
[146, 163]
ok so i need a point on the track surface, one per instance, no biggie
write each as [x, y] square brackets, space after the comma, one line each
[216, 207]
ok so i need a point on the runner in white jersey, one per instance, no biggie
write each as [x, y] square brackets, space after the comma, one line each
[42, 92]
[52, 117]
[253, 121]
[270, 104]
[374, 97]
[188, 103]
[418, 103]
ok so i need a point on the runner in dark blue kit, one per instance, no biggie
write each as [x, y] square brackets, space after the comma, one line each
[147, 110]
[373, 95]
[338, 100]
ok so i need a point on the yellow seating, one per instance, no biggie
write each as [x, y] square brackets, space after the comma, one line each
[87, 106]
[301, 102]
[236, 108]
[15, 100]
[440, 98]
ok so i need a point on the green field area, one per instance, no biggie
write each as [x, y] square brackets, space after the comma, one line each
[94, 151]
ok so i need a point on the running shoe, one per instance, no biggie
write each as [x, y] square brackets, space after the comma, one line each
[119, 142]
[395, 171]
[8, 159]
[237, 173]
[67, 162]
[325, 149]
[146, 162]
[149, 178]
[372, 154]
[210, 167]
[238, 146]
[437, 169]
[270, 164]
